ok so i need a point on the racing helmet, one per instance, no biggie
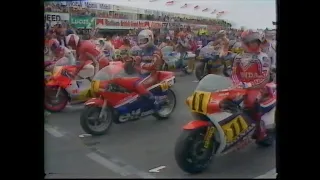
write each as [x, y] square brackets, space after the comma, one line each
[252, 36]
[145, 38]
[72, 40]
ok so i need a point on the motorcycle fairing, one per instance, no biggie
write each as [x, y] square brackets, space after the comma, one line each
[268, 105]
[133, 103]
[136, 103]
[224, 146]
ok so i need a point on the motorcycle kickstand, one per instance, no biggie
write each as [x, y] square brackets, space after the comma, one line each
[103, 109]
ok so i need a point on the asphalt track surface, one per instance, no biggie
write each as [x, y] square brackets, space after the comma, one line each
[132, 149]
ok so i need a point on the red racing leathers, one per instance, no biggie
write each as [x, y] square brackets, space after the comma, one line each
[86, 49]
[253, 71]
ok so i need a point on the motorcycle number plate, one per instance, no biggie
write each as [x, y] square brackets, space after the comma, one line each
[199, 102]
[235, 128]
[165, 86]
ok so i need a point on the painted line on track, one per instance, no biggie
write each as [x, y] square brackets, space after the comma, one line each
[116, 168]
[272, 174]
[124, 170]
[53, 131]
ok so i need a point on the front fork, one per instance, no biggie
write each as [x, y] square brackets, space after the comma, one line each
[103, 108]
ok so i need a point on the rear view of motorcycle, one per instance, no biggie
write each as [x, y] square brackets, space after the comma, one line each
[208, 62]
[222, 125]
[172, 60]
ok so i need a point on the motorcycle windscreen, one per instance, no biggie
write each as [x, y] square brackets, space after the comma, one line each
[213, 83]
[111, 71]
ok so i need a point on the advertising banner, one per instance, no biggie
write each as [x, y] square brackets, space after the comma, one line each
[89, 5]
[52, 18]
[82, 22]
[109, 23]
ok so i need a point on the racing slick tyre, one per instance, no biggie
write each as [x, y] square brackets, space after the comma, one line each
[168, 107]
[128, 67]
[89, 118]
[53, 103]
[200, 72]
[190, 154]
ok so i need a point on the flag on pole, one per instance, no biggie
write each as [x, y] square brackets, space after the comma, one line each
[206, 9]
[169, 3]
[219, 14]
[184, 6]
[196, 7]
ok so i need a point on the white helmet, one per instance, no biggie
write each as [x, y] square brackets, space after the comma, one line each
[145, 38]
[72, 39]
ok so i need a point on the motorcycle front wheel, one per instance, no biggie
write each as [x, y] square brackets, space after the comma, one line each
[92, 124]
[190, 154]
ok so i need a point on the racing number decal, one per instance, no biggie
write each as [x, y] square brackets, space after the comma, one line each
[200, 101]
[164, 86]
[235, 128]
[95, 86]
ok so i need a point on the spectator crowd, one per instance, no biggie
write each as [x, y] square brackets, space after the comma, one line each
[60, 7]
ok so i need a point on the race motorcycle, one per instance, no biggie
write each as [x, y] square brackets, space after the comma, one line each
[116, 104]
[61, 88]
[209, 62]
[171, 60]
[222, 125]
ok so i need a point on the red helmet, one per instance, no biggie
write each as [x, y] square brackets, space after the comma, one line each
[72, 40]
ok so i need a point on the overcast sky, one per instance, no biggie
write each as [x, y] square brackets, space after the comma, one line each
[248, 13]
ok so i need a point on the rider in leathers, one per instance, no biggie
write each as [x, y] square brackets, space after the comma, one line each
[148, 63]
[60, 55]
[251, 70]
[86, 50]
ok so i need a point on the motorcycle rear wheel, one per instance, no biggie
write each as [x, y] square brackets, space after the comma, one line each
[161, 114]
[190, 161]
[200, 71]
[62, 99]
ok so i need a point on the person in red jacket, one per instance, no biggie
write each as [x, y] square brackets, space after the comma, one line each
[251, 70]
[86, 50]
